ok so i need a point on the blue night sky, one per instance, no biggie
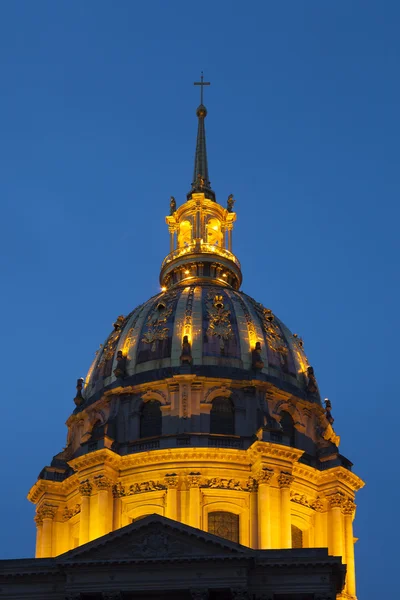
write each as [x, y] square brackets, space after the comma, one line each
[98, 128]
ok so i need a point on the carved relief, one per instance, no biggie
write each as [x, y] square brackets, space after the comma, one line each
[68, 513]
[219, 323]
[285, 479]
[156, 323]
[273, 334]
[185, 401]
[145, 486]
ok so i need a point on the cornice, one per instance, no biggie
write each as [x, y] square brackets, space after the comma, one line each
[268, 450]
[57, 488]
[342, 475]
[184, 455]
[93, 459]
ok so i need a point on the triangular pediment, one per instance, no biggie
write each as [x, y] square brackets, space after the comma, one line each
[153, 537]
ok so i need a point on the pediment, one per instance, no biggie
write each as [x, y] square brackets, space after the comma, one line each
[153, 537]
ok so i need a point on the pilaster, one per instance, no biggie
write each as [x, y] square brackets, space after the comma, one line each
[285, 480]
[172, 482]
[46, 513]
[85, 490]
[194, 481]
[263, 477]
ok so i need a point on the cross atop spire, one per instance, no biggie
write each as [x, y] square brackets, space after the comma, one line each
[201, 182]
[202, 83]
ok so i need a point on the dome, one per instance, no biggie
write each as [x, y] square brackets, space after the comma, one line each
[223, 328]
[201, 407]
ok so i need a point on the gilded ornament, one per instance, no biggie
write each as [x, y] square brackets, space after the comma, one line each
[219, 324]
[157, 320]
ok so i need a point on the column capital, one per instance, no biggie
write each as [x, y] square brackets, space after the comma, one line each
[47, 511]
[171, 481]
[38, 520]
[285, 479]
[102, 482]
[85, 488]
[195, 480]
[317, 504]
[348, 506]
[336, 500]
[263, 475]
[118, 490]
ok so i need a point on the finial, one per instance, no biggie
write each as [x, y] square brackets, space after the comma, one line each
[79, 399]
[312, 387]
[200, 181]
[328, 408]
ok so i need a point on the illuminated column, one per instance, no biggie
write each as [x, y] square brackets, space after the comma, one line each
[319, 537]
[285, 481]
[172, 496]
[118, 491]
[348, 508]
[194, 499]
[39, 529]
[230, 238]
[47, 514]
[103, 485]
[336, 524]
[171, 239]
[85, 489]
[264, 509]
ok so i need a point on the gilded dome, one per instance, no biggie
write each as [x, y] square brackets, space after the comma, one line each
[229, 335]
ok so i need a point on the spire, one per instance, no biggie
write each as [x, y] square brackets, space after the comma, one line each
[201, 182]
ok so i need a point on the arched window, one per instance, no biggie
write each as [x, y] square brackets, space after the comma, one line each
[150, 419]
[222, 416]
[185, 234]
[297, 537]
[97, 431]
[224, 524]
[288, 427]
[214, 234]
